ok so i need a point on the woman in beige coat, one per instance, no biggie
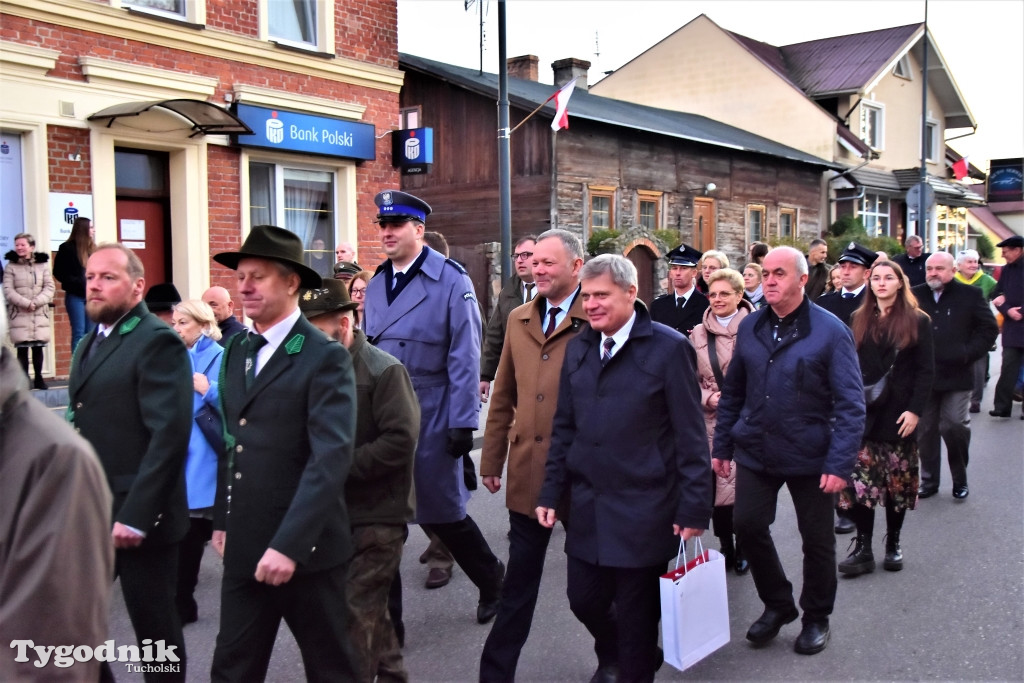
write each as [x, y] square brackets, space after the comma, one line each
[721, 321]
[29, 289]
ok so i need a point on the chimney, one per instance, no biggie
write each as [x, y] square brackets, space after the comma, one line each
[568, 69]
[524, 67]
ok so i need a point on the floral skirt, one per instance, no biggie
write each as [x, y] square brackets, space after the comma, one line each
[887, 473]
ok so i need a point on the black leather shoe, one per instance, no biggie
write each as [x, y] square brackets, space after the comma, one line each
[606, 674]
[960, 492]
[812, 639]
[438, 577]
[845, 526]
[487, 608]
[999, 413]
[926, 493]
[768, 626]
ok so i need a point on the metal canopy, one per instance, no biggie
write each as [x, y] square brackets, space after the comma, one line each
[205, 117]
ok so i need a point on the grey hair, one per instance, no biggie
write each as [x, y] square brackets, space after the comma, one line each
[620, 268]
[966, 254]
[573, 245]
[914, 238]
[798, 259]
[722, 259]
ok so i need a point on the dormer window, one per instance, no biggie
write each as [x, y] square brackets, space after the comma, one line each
[872, 125]
[902, 68]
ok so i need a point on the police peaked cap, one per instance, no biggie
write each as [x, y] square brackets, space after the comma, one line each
[397, 207]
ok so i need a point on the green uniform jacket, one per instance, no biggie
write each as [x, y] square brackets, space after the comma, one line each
[293, 433]
[379, 488]
[132, 401]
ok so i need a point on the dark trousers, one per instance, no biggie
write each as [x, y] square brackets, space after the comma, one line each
[1008, 374]
[633, 596]
[945, 416]
[471, 552]
[527, 549]
[757, 496]
[378, 552]
[190, 558]
[313, 606]
[148, 575]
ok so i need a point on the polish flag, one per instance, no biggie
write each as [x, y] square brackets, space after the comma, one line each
[960, 169]
[561, 99]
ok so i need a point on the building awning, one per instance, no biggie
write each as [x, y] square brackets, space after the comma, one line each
[205, 117]
[946, 193]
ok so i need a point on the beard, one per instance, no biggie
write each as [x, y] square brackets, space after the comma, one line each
[106, 313]
[935, 284]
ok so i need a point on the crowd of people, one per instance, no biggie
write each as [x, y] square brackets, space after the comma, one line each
[302, 447]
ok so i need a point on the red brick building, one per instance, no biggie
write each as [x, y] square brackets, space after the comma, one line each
[134, 112]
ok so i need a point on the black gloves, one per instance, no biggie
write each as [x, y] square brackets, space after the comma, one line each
[460, 441]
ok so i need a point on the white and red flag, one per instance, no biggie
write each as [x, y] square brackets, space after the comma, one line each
[561, 98]
[960, 169]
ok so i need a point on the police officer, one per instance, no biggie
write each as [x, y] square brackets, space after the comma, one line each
[420, 308]
[683, 308]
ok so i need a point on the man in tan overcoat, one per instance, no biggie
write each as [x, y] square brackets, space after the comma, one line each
[523, 401]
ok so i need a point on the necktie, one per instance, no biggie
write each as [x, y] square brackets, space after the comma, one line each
[552, 314]
[607, 355]
[527, 292]
[399, 279]
[100, 338]
[680, 302]
[255, 343]
[848, 295]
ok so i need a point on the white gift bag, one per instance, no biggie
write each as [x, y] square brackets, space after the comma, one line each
[694, 607]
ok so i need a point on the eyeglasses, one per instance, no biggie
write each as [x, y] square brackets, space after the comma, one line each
[522, 256]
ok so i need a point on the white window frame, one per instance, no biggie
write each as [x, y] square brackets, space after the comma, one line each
[866, 108]
[324, 28]
[901, 69]
[195, 11]
[934, 154]
[872, 211]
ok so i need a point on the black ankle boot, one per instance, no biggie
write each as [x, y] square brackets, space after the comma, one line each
[861, 560]
[39, 383]
[893, 553]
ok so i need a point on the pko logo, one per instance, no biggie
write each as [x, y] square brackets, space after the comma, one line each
[70, 213]
[275, 129]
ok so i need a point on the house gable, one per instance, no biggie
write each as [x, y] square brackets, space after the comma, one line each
[704, 69]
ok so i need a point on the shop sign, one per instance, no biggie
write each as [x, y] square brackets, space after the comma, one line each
[290, 131]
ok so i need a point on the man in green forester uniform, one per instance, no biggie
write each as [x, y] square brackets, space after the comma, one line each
[130, 396]
[289, 406]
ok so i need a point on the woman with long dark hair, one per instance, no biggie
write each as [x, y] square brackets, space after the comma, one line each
[69, 270]
[894, 341]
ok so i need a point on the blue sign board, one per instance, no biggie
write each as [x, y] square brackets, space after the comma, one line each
[293, 132]
[413, 147]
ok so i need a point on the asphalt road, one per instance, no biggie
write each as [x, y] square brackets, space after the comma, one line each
[956, 611]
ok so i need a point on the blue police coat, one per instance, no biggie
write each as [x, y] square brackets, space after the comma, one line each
[433, 327]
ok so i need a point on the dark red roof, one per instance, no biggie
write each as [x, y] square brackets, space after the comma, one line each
[843, 64]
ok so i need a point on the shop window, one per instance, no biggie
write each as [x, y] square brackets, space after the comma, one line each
[602, 208]
[300, 200]
[787, 223]
[874, 213]
[649, 210]
[755, 222]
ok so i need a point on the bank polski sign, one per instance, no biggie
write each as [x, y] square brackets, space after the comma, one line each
[294, 132]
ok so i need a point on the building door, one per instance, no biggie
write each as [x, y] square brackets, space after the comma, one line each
[704, 237]
[143, 209]
[643, 258]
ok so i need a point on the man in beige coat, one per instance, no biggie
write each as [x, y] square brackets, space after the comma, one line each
[519, 421]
